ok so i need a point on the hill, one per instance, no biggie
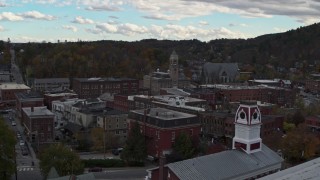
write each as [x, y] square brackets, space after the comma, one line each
[134, 59]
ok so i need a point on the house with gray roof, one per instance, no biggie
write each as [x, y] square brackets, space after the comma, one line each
[220, 73]
[248, 159]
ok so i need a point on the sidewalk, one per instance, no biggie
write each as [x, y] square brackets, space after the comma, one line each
[31, 151]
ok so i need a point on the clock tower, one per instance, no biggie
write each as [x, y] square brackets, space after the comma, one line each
[247, 127]
[174, 68]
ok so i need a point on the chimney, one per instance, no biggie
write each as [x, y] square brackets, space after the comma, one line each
[32, 109]
[162, 161]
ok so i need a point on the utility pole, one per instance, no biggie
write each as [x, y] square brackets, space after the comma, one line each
[104, 137]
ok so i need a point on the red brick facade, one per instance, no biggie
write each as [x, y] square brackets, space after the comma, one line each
[94, 87]
[159, 140]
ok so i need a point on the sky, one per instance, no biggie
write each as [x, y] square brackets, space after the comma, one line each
[134, 20]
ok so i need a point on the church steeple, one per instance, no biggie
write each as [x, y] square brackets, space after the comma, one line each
[247, 127]
[174, 68]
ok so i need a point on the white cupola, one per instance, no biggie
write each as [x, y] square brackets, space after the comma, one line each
[247, 127]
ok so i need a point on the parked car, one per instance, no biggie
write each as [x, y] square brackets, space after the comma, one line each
[24, 151]
[13, 123]
[116, 151]
[95, 169]
[21, 143]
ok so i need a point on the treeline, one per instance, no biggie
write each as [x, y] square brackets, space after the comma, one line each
[135, 59]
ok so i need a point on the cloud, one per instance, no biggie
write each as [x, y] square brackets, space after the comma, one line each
[306, 11]
[2, 4]
[1, 28]
[241, 24]
[203, 23]
[126, 29]
[114, 17]
[175, 9]
[168, 31]
[37, 15]
[9, 16]
[81, 20]
[72, 28]
[279, 29]
[190, 32]
[102, 5]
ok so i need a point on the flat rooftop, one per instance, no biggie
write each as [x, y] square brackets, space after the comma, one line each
[9, 86]
[37, 111]
[164, 114]
[28, 95]
[99, 79]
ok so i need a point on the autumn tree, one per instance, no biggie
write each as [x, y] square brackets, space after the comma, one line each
[299, 144]
[297, 118]
[7, 151]
[97, 139]
[62, 158]
[135, 149]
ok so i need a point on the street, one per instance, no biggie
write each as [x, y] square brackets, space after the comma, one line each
[17, 77]
[25, 169]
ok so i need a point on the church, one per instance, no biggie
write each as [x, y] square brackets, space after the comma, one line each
[249, 158]
[173, 78]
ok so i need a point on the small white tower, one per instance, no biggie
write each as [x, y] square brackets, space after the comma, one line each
[247, 128]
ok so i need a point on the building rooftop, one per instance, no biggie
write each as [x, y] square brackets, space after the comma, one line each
[176, 91]
[231, 164]
[99, 79]
[52, 80]
[60, 94]
[238, 87]
[306, 171]
[9, 86]
[37, 111]
[29, 95]
[163, 114]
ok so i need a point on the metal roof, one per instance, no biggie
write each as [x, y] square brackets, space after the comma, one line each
[225, 165]
[306, 171]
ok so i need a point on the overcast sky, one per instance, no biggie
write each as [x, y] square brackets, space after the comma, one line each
[131, 20]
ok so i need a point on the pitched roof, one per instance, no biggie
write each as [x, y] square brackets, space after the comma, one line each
[216, 69]
[225, 165]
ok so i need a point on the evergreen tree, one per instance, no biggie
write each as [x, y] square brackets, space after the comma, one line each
[7, 151]
[135, 149]
[183, 146]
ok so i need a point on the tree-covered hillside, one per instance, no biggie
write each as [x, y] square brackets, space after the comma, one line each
[134, 59]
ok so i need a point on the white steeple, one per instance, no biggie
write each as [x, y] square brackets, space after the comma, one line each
[247, 127]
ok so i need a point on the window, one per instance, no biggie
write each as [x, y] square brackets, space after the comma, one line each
[173, 136]
[191, 132]
[117, 132]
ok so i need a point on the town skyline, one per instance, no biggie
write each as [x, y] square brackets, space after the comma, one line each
[91, 20]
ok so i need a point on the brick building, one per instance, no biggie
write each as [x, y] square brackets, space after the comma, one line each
[313, 85]
[39, 124]
[27, 99]
[49, 97]
[313, 122]
[173, 78]
[94, 87]
[248, 159]
[221, 124]
[50, 84]
[161, 126]
[275, 95]
[8, 90]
